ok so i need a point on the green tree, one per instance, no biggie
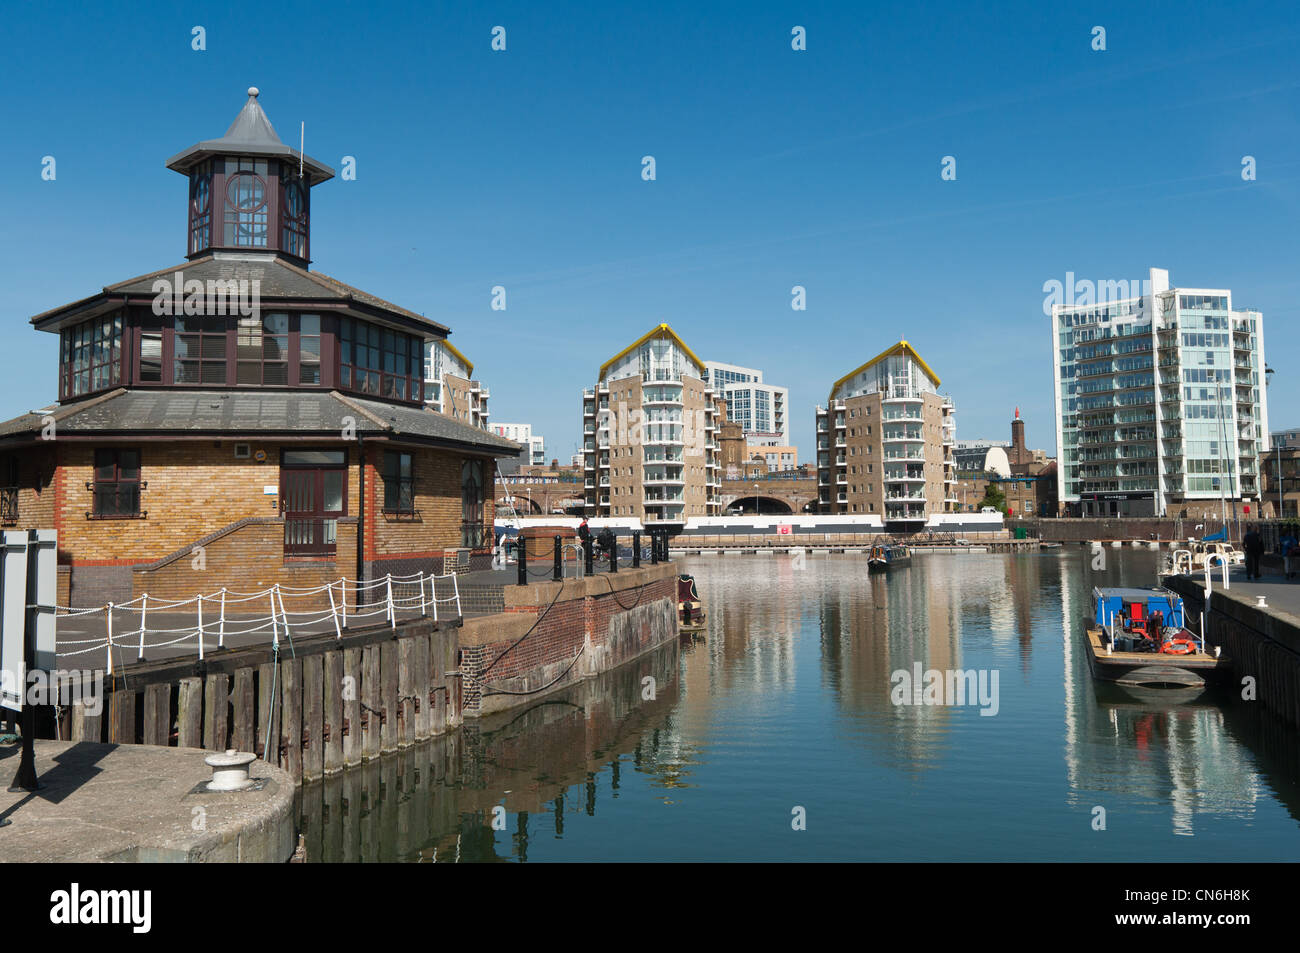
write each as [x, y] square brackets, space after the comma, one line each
[994, 497]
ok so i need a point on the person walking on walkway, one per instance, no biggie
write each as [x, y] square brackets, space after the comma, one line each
[1290, 552]
[1253, 544]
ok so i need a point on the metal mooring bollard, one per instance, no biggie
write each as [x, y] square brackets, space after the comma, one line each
[230, 770]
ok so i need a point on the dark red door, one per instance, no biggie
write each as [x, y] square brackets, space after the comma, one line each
[312, 499]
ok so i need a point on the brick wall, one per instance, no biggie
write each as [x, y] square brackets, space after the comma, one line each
[35, 486]
[639, 615]
[248, 559]
[194, 488]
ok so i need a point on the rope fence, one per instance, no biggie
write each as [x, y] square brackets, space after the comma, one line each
[380, 598]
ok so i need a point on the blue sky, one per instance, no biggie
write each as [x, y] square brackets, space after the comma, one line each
[775, 168]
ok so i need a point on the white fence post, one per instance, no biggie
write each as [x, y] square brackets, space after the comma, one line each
[392, 614]
[221, 623]
[144, 612]
[200, 598]
[275, 628]
[109, 609]
[284, 616]
[343, 595]
[338, 632]
[422, 606]
[455, 586]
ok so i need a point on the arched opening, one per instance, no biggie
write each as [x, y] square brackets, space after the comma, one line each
[521, 504]
[763, 505]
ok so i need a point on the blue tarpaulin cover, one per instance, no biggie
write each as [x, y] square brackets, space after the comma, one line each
[1219, 537]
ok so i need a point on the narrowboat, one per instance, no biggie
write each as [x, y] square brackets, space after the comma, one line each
[1138, 637]
[885, 557]
[691, 616]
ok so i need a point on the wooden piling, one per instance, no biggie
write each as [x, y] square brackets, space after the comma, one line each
[157, 714]
[121, 718]
[351, 692]
[420, 687]
[243, 736]
[268, 712]
[370, 702]
[291, 717]
[216, 711]
[313, 718]
[388, 695]
[332, 701]
[189, 713]
[85, 726]
[405, 692]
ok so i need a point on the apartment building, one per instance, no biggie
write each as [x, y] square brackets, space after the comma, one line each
[450, 388]
[1160, 406]
[523, 433]
[650, 434]
[885, 442]
[759, 408]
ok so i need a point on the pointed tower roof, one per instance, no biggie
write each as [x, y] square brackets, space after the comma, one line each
[251, 134]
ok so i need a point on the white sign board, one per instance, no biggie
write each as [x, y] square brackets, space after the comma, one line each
[28, 576]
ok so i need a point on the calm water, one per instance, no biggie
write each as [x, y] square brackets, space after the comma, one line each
[786, 703]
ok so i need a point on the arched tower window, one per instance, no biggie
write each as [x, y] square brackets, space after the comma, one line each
[247, 208]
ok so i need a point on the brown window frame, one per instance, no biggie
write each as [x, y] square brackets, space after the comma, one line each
[395, 483]
[118, 483]
[111, 364]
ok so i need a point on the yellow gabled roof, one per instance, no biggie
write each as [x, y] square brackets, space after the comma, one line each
[657, 331]
[902, 347]
[469, 366]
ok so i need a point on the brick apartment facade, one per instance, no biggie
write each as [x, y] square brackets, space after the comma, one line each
[885, 443]
[201, 443]
[650, 434]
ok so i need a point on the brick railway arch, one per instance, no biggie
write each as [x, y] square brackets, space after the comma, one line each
[774, 505]
[520, 503]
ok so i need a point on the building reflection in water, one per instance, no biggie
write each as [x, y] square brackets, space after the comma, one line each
[794, 675]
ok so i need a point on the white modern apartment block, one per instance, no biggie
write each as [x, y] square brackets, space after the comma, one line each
[1161, 406]
[523, 433]
[450, 388]
[760, 409]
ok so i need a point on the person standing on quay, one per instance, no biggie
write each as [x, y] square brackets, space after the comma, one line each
[1253, 543]
[1289, 552]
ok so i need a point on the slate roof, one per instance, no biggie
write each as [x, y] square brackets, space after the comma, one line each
[250, 134]
[278, 279]
[149, 412]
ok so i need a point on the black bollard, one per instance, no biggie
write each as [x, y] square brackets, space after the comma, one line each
[636, 550]
[521, 555]
[613, 555]
[558, 569]
[589, 555]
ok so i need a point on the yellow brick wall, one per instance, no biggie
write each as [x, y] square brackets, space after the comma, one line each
[194, 488]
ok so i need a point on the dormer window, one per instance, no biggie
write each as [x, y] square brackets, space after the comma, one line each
[247, 213]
